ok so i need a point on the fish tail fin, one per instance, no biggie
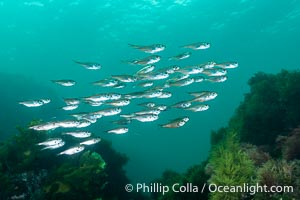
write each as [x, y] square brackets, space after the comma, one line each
[75, 61]
[43, 149]
[162, 125]
[130, 62]
[133, 45]
[192, 94]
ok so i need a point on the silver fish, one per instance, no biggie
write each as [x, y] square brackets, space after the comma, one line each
[94, 103]
[228, 65]
[72, 150]
[72, 101]
[192, 70]
[70, 107]
[90, 142]
[154, 48]
[134, 95]
[79, 134]
[55, 146]
[156, 76]
[32, 103]
[45, 101]
[83, 123]
[198, 79]
[50, 142]
[165, 95]
[119, 86]
[160, 107]
[144, 112]
[181, 56]
[217, 79]
[143, 118]
[208, 65]
[198, 108]
[145, 70]
[91, 117]
[45, 126]
[146, 61]
[89, 65]
[178, 77]
[147, 104]
[157, 88]
[68, 123]
[145, 84]
[109, 111]
[152, 94]
[206, 97]
[197, 46]
[113, 96]
[103, 97]
[125, 78]
[66, 83]
[182, 104]
[106, 82]
[180, 83]
[170, 70]
[120, 130]
[35, 103]
[119, 102]
[215, 72]
[176, 123]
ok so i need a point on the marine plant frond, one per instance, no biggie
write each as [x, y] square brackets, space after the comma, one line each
[230, 166]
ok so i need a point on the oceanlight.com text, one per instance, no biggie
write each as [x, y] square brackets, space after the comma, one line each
[191, 188]
[251, 189]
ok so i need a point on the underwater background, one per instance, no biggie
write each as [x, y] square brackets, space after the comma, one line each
[40, 39]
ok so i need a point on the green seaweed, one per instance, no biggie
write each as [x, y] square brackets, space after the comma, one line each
[259, 145]
[230, 167]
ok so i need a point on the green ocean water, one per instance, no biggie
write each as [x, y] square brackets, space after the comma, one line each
[39, 40]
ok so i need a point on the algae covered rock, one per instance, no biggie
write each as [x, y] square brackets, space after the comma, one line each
[92, 160]
[28, 172]
[269, 109]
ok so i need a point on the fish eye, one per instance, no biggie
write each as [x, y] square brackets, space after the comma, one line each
[185, 119]
[180, 123]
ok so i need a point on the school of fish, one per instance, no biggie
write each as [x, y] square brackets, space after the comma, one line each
[150, 81]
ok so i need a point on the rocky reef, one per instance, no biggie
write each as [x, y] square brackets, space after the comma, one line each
[260, 145]
[27, 172]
